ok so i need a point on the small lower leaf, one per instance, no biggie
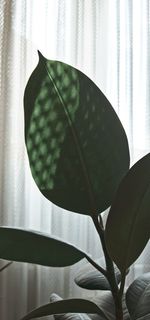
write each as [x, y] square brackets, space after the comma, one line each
[35, 247]
[138, 298]
[64, 306]
[67, 316]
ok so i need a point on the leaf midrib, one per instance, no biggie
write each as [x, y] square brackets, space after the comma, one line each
[77, 144]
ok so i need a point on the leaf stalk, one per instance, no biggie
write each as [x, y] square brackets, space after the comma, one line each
[110, 272]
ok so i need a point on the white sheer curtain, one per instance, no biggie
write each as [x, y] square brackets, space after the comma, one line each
[109, 41]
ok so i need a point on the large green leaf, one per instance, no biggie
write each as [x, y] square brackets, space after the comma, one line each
[77, 147]
[128, 227]
[90, 278]
[64, 306]
[33, 247]
[138, 298]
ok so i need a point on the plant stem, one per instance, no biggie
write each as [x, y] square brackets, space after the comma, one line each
[122, 284]
[119, 311]
[110, 273]
[109, 263]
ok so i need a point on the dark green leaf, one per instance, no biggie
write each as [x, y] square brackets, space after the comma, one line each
[90, 278]
[138, 298]
[64, 306]
[77, 147]
[128, 227]
[34, 247]
[68, 316]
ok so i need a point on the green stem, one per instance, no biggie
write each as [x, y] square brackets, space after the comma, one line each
[110, 273]
[109, 264]
[119, 310]
[122, 284]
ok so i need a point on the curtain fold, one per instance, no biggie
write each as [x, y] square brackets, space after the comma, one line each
[107, 40]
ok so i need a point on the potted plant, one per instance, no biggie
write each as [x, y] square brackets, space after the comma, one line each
[79, 158]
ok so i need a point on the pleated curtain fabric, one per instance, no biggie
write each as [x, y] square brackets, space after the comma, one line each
[109, 41]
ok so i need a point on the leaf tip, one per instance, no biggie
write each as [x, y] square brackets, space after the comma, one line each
[41, 57]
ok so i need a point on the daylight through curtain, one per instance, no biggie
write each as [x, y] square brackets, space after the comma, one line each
[109, 41]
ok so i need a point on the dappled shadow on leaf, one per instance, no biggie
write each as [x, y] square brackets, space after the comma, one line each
[76, 144]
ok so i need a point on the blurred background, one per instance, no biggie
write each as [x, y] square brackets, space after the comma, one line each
[109, 41]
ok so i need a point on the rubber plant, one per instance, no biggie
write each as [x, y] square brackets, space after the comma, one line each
[79, 158]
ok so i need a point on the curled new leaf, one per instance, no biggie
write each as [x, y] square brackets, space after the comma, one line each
[138, 298]
[77, 147]
[34, 247]
[128, 227]
[64, 306]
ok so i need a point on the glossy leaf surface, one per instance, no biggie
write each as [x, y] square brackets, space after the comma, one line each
[77, 147]
[128, 227]
[90, 278]
[138, 298]
[64, 306]
[67, 316]
[33, 247]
